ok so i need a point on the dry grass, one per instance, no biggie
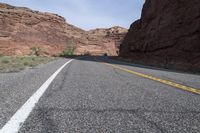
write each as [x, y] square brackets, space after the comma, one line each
[15, 64]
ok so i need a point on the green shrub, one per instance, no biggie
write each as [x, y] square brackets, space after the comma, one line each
[33, 58]
[68, 51]
[26, 63]
[35, 51]
[5, 61]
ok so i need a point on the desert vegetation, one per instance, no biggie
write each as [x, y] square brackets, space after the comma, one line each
[69, 51]
[35, 51]
[16, 64]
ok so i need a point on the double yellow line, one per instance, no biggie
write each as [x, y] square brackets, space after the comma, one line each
[179, 86]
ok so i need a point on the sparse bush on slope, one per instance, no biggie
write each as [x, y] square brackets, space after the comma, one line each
[68, 51]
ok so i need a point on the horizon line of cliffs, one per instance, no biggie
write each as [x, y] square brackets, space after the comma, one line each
[166, 35]
[23, 30]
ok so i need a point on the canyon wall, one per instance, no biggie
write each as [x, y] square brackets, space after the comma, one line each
[115, 34]
[168, 35]
[22, 29]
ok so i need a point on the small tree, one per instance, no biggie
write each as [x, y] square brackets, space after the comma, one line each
[35, 51]
[68, 51]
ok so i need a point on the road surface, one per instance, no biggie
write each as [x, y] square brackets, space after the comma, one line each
[91, 96]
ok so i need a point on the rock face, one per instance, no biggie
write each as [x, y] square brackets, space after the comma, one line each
[103, 41]
[21, 29]
[115, 34]
[167, 34]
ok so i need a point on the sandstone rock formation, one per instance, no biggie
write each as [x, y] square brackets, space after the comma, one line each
[115, 34]
[22, 29]
[167, 34]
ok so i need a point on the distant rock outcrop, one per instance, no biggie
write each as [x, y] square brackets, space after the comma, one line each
[22, 29]
[168, 34]
[115, 34]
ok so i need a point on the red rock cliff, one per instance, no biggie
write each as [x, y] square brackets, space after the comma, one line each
[22, 28]
[115, 34]
[168, 34]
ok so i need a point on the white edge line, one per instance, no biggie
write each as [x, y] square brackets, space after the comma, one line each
[17, 120]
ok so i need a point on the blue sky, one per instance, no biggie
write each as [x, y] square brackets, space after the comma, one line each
[88, 14]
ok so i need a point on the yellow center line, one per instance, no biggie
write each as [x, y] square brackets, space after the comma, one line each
[182, 87]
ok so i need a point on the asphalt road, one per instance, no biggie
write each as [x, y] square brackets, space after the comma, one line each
[89, 96]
